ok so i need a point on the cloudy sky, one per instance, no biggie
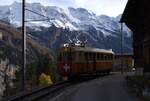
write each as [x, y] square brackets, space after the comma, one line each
[108, 7]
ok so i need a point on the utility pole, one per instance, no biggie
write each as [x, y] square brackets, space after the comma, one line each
[23, 46]
[122, 68]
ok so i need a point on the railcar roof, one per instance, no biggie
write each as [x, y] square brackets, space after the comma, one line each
[89, 49]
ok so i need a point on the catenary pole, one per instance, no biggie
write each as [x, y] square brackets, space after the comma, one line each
[122, 68]
[23, 45]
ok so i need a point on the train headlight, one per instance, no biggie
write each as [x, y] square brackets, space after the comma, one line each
[66, 67]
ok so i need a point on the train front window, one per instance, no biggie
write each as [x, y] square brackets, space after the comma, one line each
[59, 57]
[67, 56]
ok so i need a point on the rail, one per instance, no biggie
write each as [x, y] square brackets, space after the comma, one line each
[38, 93]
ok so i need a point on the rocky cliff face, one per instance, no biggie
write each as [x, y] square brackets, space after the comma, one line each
[11, 46]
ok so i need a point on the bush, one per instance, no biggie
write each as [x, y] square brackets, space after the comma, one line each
[45, 79]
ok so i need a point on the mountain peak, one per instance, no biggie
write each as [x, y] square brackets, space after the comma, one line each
[72, 18]
[15, 3]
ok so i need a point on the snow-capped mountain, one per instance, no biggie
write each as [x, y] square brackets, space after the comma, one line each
[72, 18]
[97, 27]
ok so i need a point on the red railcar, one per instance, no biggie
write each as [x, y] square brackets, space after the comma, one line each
[77, 60]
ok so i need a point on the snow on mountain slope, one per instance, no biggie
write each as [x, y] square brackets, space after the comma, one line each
[72, 18]
[69, 24]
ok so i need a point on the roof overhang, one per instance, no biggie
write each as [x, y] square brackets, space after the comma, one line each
[136, 14]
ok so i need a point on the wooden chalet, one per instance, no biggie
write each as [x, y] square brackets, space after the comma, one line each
[137, 17]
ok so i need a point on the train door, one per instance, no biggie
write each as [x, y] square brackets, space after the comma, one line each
[86, 61]
[94, 62]
[79, 63]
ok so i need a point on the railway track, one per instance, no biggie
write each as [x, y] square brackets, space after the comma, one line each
[42, 92]
[39, 93]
